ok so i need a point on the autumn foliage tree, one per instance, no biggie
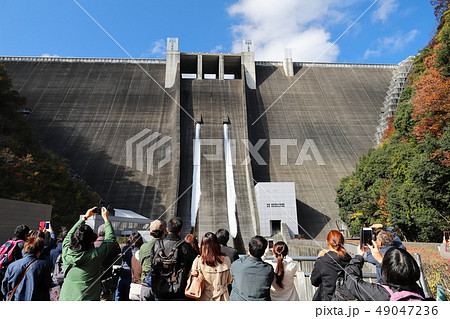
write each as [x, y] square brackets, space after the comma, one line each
[405, 182]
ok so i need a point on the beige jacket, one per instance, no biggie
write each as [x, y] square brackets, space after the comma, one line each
[215, 280]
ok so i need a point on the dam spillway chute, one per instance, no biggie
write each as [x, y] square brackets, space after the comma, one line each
[196, 189]
[231, 191]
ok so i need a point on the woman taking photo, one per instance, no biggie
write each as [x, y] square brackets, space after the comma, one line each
[215, 268]
[329, 266]
[283, 288]
[82, 261]
[399, 276]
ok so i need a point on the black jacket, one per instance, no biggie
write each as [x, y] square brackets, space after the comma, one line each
[187, 257]
[17, 252]
[326, 270]
[363, 290]
[230, 252]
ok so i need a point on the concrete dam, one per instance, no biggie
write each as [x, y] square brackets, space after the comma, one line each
[128, 129]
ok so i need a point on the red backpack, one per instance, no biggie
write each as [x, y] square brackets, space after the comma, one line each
[6, 253]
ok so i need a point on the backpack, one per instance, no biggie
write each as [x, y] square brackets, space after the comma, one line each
[6, 253]
[168, 273]
[58, 271]
[341, 292]
[403, 295]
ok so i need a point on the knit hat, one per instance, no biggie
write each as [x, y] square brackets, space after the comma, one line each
[156, 225]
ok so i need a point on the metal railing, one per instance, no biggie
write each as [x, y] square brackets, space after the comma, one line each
[302, 282]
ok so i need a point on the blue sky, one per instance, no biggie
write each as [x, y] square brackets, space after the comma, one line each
[388, 32]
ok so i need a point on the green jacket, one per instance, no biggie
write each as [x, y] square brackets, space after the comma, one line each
[82, 281]
[144, 258]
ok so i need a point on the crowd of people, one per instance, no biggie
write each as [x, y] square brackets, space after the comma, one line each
[83, 265]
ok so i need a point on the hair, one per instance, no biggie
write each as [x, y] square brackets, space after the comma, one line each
[336, 240]
[257, 246]
[82, 238]
[21, 231]
[399, 268]
[192, 240]
[135, 240]
[36, 233]
[210, 250]
[101, 230]
[174, 225]
[386, 238]
[280, 250]
[33, 245]
[157, 233]
[62, 234]
[223, 236]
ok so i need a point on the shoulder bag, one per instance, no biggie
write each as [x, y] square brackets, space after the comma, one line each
[20, 280]
[195, 283]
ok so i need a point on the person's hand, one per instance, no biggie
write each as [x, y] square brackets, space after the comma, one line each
[90, 212]
[322, 252]
[359, 251]
[376, 226]
[105, 214]
[376, 251]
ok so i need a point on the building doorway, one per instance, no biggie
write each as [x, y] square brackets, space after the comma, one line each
[275, 227]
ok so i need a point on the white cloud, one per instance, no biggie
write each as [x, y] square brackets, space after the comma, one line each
[384, 10]
[217, 48]
[295, 24]
[394, 43]
[49, 55]
[157, 50]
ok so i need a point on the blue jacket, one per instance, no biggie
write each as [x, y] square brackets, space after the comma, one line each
[35, 284]
[383, 249]
[55, 252]
[252, 278]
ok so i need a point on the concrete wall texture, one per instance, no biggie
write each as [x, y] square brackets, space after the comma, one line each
[309, 128]
[14, 213]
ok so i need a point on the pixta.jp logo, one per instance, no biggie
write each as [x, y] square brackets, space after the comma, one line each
[147, 143]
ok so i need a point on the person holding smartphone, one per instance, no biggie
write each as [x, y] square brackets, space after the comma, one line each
[82, 261]
[400, 273]
[445, 250]
[385, 239]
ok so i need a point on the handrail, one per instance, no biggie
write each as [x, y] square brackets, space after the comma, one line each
[370, 275]
[422, 280]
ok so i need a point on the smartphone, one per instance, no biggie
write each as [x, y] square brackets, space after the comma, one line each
[270, 243]
[42, 226]
[366, 237]
[446, 235]
[47, 225]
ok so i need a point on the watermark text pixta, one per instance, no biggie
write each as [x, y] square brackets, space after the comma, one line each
[148, 150]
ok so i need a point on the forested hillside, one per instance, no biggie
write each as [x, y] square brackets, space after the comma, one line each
[30, 173]
[405, 181]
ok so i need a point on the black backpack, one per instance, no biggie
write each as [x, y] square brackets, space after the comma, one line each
[168, 272]
[342, 293]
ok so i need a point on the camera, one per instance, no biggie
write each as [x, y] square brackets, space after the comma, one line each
[109, 208]
[366, 237]
[446, 235]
